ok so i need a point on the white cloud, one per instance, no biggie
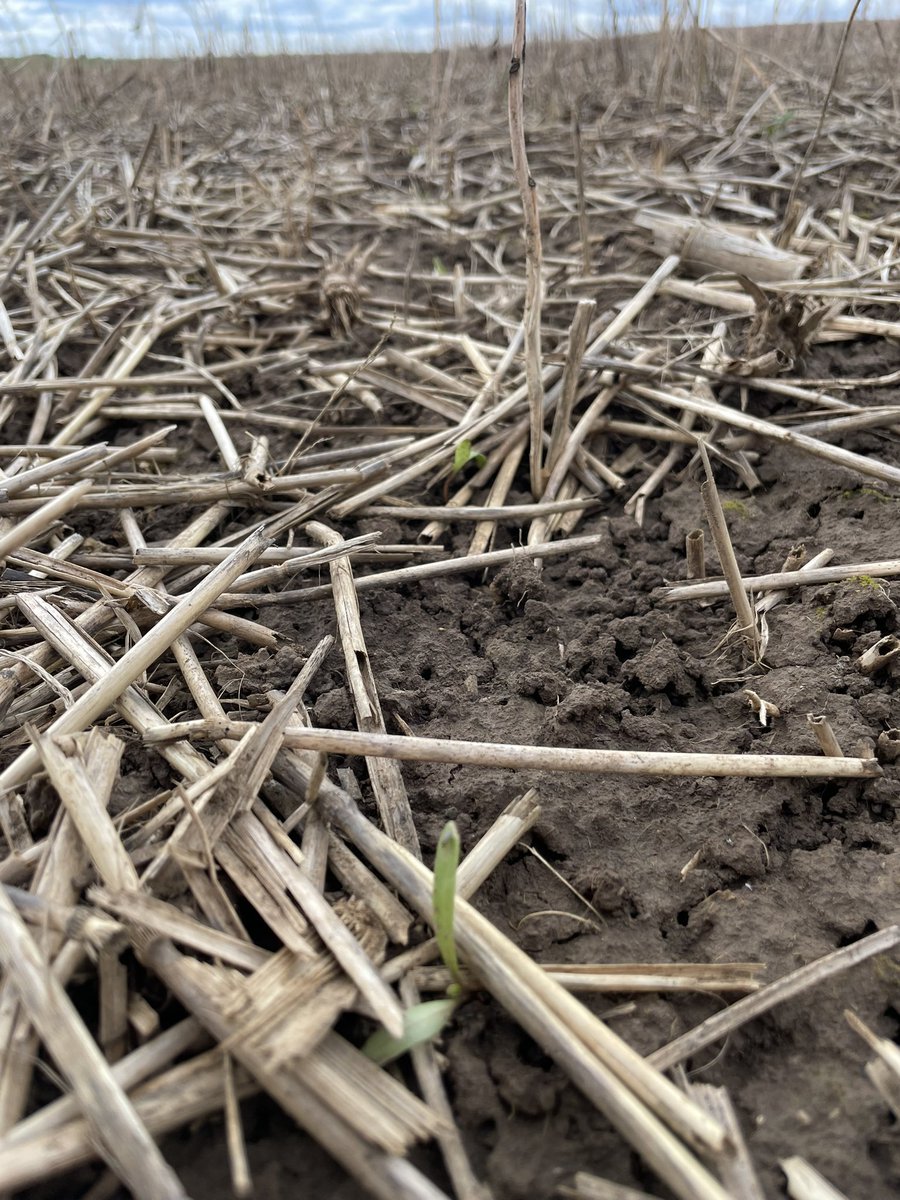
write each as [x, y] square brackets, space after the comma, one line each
[153, 27]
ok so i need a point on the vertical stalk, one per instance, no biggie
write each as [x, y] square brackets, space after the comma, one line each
[746, 618]
[579, 191]
[531, 227]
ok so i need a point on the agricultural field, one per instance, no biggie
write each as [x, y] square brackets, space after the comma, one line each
[405, 457]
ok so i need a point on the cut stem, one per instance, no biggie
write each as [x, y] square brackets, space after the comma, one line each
[531, 228]
[730, 569]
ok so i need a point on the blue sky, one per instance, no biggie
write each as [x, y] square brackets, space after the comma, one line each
[142, 27]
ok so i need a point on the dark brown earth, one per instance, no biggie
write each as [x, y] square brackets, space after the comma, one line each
[585, 654]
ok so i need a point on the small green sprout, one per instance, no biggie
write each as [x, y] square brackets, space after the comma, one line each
[438, 267]
[737, 508]
[421, 1023]
[779, 124]
[464, 454]
[446, 860]
[424, 1022]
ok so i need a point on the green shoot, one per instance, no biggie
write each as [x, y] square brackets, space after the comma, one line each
[464, 454]
[446, 860]
[779, 125]
[422, 1023]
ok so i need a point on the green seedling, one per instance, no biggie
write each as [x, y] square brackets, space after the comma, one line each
[421, 1023]
[438, 266]
[446, 860]
[424, 1022]
[780, 123]
[464, 454]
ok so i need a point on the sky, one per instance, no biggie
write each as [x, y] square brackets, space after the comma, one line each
[128, 28]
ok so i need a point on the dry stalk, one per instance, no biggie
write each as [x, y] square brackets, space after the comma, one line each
[239, 777]
[241, 1179]
[422, 571]
[62, 860]
[876, 657]
[784, 580]
[333, 932]
[771, 599]
[112, 1033]
[100, 615]
[805, 1183]
[129, 1072]
[507, 513]
[592, 1187]
[484, 531]
[695, 554]
[78, 922]
[860, 463]
[541, 758]
[628, 977]
[176, 1097]
[824, 734]
[723, 1023]
[738, 1172]
[387, 780]
[428, 1073]
[83, 771]
[610, 1074]
[319, 1092]
[884, 1070]
[107, 690]
[39, 521]
[583, 227]
[718, 527]
[578, 334]
[147, 912]
[365, 886]
[789, 223]
[531, 229]
[118, 1131]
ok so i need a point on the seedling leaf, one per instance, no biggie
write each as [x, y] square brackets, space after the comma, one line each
[446, 860]
[464, 454]
[461, 455]
[422, 1023]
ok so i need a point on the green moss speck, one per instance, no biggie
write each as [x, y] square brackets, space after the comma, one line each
[887, 970]
[875, 493]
